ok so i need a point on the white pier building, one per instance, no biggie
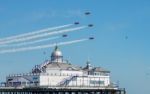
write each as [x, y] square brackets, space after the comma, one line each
[58, 72]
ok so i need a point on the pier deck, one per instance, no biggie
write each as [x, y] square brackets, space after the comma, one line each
[61, 90]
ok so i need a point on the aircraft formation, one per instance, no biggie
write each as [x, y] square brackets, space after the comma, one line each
[23, 42]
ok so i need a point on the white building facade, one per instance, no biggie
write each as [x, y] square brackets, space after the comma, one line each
[58, 72]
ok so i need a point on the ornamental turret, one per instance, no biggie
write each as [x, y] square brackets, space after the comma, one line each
[56, 56]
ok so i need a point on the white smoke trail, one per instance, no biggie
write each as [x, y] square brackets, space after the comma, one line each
[35, 32]
[41, 46]
[30, 42]
[42, 35]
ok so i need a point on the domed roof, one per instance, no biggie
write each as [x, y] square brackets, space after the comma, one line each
[56, 52]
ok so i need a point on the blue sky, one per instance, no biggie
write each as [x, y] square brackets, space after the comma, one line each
[127, 59]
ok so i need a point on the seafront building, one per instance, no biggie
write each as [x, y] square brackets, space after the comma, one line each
[58, 76]
[58, 72]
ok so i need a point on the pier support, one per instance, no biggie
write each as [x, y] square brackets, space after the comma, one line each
[61, 91]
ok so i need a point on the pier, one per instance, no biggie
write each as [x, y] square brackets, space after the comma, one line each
[61, 90]
[57, 76]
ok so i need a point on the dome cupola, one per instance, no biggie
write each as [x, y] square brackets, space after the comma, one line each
[56, 56]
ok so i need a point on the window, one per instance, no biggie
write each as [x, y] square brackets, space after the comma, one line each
[35, 78]
[97, 82]
[10, 79]
[96, 73]
[23, 83]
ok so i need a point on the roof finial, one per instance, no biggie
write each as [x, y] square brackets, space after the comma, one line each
[88, 60]
[56, 47]
[88, 63]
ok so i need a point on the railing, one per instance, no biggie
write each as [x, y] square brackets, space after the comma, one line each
[48, 74]
[34, 84]
[40, 74]
[89, 89]
[57, 90]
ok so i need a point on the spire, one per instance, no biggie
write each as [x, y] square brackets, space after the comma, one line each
[56, 48]
[88, 64]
